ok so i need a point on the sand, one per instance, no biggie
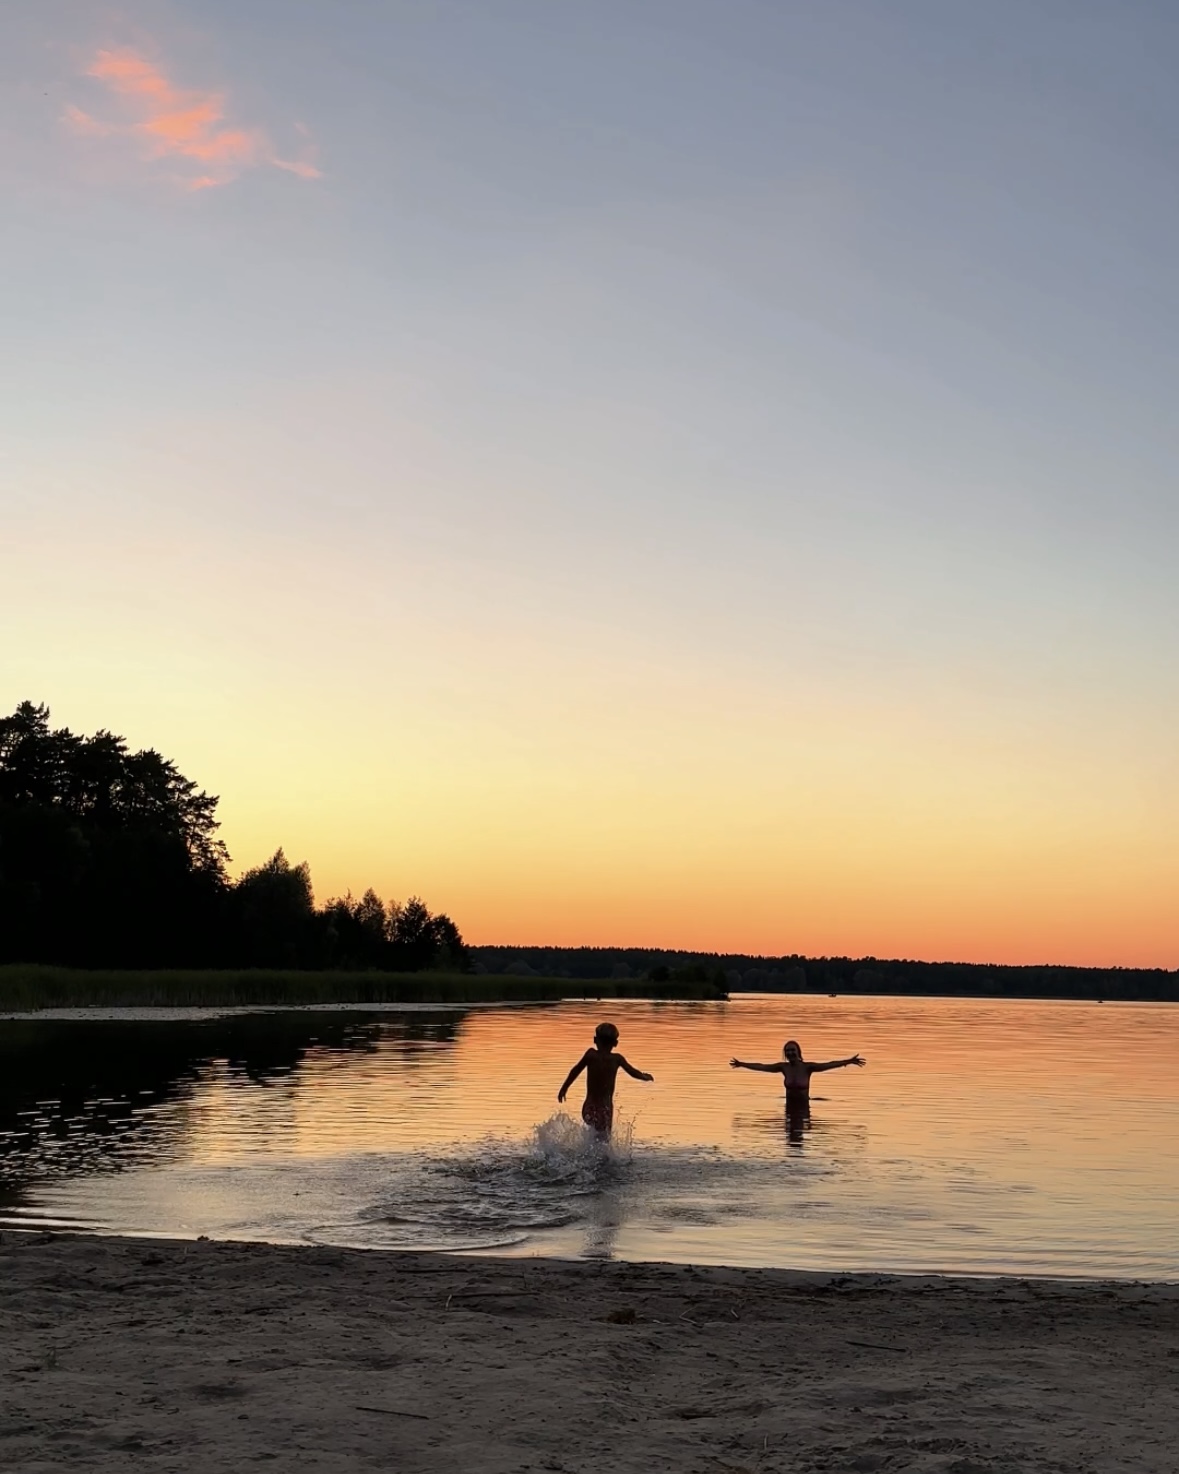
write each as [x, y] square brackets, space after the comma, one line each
[124, 1355]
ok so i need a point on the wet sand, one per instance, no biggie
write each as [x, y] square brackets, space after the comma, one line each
[120, 1355]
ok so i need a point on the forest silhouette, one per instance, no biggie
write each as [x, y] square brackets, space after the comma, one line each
[110, 858]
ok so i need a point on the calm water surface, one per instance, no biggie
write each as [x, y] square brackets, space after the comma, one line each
[983, 1137]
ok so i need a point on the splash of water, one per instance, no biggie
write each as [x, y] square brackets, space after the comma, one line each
[563, 1146]
[498, 1192]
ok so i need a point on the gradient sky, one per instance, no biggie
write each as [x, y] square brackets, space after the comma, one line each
[687, 474]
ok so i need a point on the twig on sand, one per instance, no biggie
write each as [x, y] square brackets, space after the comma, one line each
[879, 1346]
[449, 1298]
[392, 1412]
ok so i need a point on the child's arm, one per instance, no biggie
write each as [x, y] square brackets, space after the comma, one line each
[837, 1064]
[741, 1064]
[571, 1076]
[632, 1072]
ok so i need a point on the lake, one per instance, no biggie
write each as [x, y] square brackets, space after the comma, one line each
[983, 1137]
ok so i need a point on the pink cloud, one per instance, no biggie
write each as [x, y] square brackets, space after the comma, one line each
[83, 123]
[184, 127]
[298, 166]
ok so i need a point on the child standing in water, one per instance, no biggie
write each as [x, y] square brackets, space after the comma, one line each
[796, 1072]
[601, 1066]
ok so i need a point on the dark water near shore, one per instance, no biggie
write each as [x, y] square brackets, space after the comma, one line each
[984, 1137]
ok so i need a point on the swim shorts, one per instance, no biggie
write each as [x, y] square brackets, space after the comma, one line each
[599, 1115]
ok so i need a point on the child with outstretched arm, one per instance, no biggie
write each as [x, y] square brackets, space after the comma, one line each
[601, 1066]
[796, 1072]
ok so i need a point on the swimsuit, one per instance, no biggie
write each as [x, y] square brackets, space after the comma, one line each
[599, 1114]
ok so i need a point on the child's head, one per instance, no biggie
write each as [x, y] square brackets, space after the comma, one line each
[606, 1036]
[792, 1050]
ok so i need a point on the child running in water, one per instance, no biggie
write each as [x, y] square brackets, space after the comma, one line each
[601, 1066]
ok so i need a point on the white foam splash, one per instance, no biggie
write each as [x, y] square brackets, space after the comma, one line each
[563, 1144]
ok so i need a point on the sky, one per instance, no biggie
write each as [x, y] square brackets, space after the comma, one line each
[684, 474]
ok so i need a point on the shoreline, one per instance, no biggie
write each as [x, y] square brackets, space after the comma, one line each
[165, 1354]
[48, 1228]
[168, 1013]
[29, 988]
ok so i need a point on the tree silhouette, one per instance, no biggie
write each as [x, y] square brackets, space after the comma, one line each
[105, 855]
[111, 858]
[275, 907]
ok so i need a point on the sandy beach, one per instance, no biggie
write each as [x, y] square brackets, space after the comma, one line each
[125, 1354]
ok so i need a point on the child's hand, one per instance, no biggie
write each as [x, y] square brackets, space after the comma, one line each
[648, 1077]
[561, 1096]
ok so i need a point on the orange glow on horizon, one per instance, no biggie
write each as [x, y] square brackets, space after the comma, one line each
[581, 782]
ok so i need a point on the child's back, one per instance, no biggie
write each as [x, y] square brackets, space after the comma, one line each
[601, 1071]
[601, 1066]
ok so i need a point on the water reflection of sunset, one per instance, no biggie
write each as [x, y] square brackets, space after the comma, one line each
[981, 1134]
[943, 1072]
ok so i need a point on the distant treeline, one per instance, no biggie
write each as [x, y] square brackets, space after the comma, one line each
[110, 858]
[794, 973]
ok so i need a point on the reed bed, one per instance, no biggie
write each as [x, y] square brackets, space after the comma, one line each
[24, 987]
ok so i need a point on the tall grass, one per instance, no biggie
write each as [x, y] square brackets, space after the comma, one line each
[24, 988]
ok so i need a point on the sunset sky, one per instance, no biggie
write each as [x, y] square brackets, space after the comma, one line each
[688, 474]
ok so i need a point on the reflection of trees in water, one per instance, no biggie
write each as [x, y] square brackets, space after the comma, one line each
[79, 1096]
[403, 1036]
